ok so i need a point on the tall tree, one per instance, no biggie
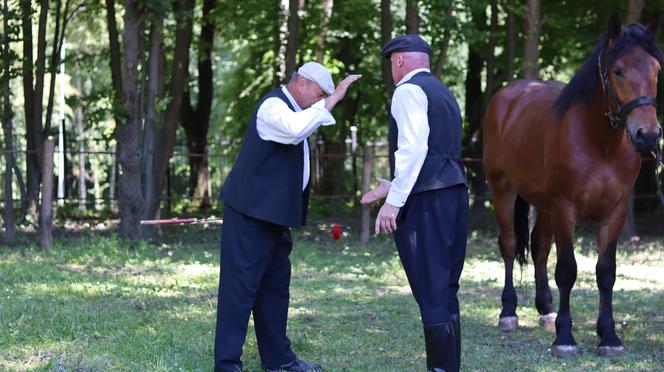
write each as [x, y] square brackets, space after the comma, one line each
[195, 119]
[385, 36]
[533, 24]
[412, 17]
[293, 25]
[128, 133]
[472, 144]
[165, 141]
[510, 41]
[322, 33]
[7, 57]
[33, 100]
[445, 42]
[634, 8]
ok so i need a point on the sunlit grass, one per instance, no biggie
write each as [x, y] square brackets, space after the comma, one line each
[94, 303]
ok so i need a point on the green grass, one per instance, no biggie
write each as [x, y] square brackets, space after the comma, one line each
[94, 303]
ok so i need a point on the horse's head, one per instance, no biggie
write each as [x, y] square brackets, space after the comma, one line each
[629, 70]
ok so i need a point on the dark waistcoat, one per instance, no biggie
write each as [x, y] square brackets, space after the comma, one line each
[442, 166]
[266, 179]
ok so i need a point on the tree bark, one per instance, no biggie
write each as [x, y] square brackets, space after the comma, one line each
[412, 17]
[165, 141]
[490, 55]
[7, 126]
[530, 68]
[293, 25]
[322, 34]
[385, 36]
[511, 40]
[472, 142]
[634, 9]
[447, 33]
[80, 134]
[196, 121]
[33, 101]
[153, 117]
[46, 213]
[128, 135]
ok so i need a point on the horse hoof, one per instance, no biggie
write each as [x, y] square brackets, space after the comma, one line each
[564, 351]
[548, 321]
[508, 323]
[611, 351]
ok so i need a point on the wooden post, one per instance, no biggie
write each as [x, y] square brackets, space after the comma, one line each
[46, 214]
[367, 165]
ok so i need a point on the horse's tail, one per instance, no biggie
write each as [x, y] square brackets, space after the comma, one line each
[521, 209]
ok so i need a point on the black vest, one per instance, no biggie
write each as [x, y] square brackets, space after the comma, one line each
[442, 166]
[266, 181]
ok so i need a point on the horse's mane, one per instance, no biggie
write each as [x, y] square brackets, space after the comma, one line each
[583, 86]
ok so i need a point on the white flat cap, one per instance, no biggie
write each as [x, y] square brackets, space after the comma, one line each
[319, 74]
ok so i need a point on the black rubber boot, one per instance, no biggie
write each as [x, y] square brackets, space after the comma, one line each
[456, 323]
[440, 346]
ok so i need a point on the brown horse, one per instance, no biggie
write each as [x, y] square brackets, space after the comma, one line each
[573, 152]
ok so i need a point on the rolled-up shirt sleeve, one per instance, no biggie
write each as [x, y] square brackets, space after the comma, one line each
[409, 109]
[275, 121]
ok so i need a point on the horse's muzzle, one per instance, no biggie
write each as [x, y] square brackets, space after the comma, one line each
[647, 141]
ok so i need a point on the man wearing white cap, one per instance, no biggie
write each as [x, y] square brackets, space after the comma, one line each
[265, 194]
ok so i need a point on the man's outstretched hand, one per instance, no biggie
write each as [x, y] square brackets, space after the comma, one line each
[340, 92]
[380, 192]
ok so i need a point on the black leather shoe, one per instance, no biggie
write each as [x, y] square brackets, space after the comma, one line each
[297, 365]
[229, 368]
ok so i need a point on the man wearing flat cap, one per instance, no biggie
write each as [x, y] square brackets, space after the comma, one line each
[265, 194]
[426, 206]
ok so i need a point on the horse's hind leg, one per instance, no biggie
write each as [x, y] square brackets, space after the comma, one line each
[541, 239]
[605, 271]
[503, 199]
[563, 226]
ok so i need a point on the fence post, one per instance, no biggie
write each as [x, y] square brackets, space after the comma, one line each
[46, 214]
[365, 218]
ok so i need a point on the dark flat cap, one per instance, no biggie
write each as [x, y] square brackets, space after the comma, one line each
[405, 43]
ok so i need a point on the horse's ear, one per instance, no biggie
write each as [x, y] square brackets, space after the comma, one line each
[614, 26]
[654, 24]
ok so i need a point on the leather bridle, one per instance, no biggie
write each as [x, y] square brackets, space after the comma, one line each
[618, 118]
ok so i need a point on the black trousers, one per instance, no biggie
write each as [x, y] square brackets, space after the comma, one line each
[432, 228]
[254, 278]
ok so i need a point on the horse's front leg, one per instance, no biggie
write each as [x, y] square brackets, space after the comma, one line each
[564, 344]
[605, 272]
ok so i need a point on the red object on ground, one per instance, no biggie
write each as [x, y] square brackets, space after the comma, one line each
[336, 231]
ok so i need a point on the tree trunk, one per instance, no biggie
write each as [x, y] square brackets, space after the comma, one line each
[196, 122]
[128, 135]
[324, 25]
[293, 24]
[33, 101]
[385, 36]
[634, 9]
[412, 17]
[80, 134]
[53, 68]
[46, 213]
[490, 55]
[165, 141]
[511, 40]
[442, 56]
[153, 116]
[472, 143]
[530, 68]
[9, 216]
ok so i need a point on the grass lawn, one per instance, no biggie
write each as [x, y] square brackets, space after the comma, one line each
[94, 303]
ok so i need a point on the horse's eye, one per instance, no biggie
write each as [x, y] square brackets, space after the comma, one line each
[618, 71]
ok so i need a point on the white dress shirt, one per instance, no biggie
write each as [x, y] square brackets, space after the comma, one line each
[275, 121]
[409, 109]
